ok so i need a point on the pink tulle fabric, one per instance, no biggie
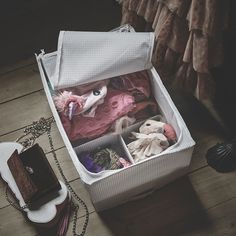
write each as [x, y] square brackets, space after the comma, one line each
[116, 104]
[64, 98]
[169, 132]
[124, 162]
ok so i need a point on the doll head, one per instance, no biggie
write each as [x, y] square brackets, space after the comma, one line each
[152, 126]
[69, 104]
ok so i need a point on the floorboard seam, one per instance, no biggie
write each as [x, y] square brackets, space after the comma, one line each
[24, 95]
[220, 203]
[18, 68]
[10, 132]
[197, 169]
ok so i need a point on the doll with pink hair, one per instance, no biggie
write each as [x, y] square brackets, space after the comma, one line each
[70, 104]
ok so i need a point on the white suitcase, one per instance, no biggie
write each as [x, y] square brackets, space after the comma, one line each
[60, 69]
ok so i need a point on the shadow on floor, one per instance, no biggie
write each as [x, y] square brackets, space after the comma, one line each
[159, 213]
[196, 116]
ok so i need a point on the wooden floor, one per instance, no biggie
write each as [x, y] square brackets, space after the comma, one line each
[202, 203]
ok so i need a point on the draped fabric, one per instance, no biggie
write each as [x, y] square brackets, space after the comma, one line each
[189, 37]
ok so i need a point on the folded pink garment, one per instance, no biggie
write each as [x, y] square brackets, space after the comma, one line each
[116, 104]
[144, 110]
[137, 83]
[66, 100]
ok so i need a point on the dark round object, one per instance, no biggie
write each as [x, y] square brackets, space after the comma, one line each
[222, 156]
[96, 92]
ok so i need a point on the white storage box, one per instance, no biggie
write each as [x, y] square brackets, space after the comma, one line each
[85, 57]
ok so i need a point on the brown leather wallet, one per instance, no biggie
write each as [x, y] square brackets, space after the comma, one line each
[34, 176]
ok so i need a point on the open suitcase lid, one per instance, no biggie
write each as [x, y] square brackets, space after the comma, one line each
[84, 57]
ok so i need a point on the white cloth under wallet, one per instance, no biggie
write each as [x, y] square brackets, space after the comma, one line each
[84, 57]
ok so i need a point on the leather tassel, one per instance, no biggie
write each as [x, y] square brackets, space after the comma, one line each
[63, 224]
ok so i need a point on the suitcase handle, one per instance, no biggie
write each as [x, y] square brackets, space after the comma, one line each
[142, 195]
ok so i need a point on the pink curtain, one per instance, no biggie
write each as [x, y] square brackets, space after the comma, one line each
[188, 39]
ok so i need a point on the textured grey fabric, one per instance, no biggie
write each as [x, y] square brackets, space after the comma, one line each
[83, 57]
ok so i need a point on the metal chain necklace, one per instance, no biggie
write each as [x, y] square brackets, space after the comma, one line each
[31, 133]
[12, 203]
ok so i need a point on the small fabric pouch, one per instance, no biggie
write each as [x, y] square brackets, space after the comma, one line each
[34, 176]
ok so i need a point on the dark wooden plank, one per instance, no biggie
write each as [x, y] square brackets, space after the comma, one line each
[96, 227]
[19, 82]
[42, 140]
[203, 143]
[12, 221]
[20, 64]
[218, 221]
[21, 112]
[212, 187]
[66, 163]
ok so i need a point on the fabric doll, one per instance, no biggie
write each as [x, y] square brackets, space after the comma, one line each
[71, 105]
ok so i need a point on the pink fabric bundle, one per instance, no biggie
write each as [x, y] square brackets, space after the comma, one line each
[116, 104]
[89, 111]
[137, 83]
[159, 127]
[169, 132]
